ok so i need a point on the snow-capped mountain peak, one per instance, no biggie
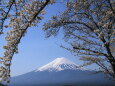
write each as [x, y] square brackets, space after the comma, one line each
[59, 64]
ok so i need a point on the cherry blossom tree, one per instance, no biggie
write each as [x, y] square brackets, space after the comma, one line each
[20, 15]
[89, 27]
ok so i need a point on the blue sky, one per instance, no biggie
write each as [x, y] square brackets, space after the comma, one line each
[35, 50]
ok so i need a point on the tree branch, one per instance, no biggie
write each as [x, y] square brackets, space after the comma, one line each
[111, 6]
[3, 20]
[24, 30]
[90, 51]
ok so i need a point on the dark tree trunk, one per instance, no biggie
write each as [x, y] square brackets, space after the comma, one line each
[113, 66]
[110, 57]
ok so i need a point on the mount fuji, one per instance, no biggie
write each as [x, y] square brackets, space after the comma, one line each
[61, 72]
[59, 64]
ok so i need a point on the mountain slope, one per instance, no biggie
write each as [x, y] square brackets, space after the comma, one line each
[61, 72]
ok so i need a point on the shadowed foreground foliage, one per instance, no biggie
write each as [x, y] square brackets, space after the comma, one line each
[2, 85]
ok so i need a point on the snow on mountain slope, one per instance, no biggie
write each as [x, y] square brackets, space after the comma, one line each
[61, 72]
[59, 64]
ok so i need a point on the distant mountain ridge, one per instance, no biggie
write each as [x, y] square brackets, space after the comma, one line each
[61, 72]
